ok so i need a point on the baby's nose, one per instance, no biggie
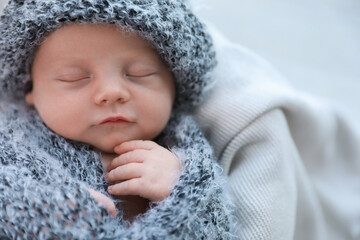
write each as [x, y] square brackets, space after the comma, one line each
[114, 89]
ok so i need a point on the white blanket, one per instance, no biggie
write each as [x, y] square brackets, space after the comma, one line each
[293, 162]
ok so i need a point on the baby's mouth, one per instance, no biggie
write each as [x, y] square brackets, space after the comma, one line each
[117, 119]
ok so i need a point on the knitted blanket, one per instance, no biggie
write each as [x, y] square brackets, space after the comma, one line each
[44, 181]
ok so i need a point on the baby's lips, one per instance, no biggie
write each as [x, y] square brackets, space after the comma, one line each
[116, 119]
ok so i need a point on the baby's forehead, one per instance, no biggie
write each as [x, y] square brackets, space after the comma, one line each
[81, 39]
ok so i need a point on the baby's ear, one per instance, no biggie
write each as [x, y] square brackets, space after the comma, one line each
[29, 98]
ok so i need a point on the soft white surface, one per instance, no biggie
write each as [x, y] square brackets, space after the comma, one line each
[292, 161]
[2, 2]
[315, 44]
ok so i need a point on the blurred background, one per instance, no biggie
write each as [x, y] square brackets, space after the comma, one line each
[315, 44]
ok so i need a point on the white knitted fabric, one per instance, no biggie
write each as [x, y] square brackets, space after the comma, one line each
[292, 160]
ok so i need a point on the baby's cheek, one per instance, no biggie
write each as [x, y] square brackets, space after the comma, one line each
[63, 124]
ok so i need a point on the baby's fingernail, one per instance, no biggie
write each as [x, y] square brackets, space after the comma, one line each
[110, 188]
[107, 177]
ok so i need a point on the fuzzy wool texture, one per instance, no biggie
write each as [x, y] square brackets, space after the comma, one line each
[44, 180]
[174, 31]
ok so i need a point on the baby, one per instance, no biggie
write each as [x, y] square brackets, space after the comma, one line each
[108, 89]
[109, 86]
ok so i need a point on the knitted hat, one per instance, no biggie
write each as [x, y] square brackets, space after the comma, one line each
[169, 25]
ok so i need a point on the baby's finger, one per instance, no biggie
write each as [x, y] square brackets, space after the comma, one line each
[131, 187]
[125, 172]
[104, 201]
[135, 156]
[134, 144]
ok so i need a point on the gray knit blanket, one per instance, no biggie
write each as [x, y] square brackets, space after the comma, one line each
[44, 181]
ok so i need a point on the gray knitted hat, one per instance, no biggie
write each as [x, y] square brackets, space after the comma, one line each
[178, 36]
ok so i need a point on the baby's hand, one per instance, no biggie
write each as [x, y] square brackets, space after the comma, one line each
[104, 201]
[143, 168]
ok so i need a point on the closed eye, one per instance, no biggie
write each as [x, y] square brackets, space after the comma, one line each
[72, 74]
[72, 79]
[140, 75]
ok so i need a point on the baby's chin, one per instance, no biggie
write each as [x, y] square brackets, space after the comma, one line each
[108, 148]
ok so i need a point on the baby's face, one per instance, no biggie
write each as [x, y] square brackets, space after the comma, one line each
[97, 85]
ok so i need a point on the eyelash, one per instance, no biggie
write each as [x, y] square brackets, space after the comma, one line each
[135, 76]
[73, 80]
[140, 75]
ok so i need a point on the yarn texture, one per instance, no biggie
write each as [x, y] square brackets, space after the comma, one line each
[44, 178]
